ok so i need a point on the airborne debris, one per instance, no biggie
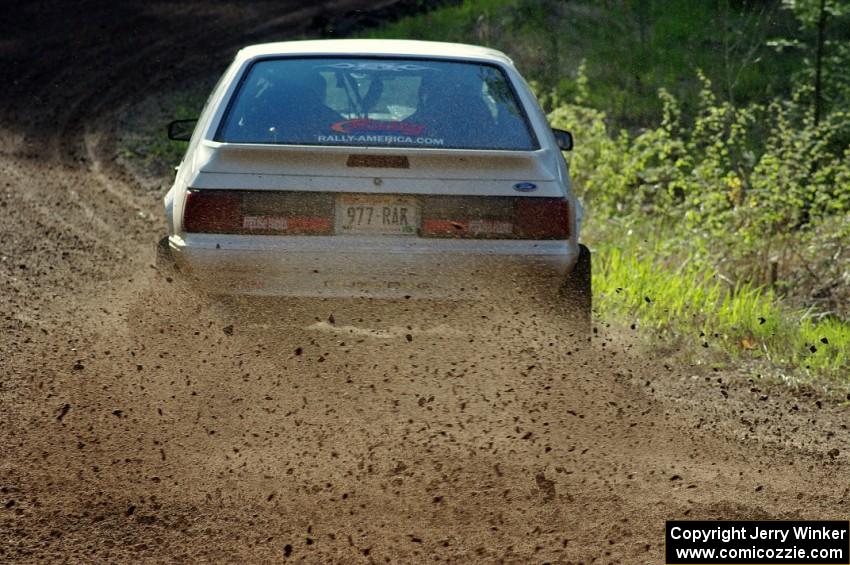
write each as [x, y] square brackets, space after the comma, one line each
[546, 486]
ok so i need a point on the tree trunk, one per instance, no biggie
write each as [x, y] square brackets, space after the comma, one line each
[643, 23]
[819, 61]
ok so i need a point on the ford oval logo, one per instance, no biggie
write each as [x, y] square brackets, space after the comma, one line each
[525, 187]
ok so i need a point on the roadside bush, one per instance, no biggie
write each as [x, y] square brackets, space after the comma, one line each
[758, 193]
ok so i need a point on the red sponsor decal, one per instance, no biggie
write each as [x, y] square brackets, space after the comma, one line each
[387, 126]
[445, 227]
[310, 225]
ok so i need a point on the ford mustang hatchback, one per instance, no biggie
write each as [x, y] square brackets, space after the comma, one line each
[376, 168]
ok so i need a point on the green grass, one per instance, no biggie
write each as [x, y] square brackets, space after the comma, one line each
[692, 304]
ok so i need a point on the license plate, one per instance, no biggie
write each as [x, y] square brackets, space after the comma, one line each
[377, 214]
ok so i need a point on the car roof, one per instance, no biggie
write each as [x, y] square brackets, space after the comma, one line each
[375, 47]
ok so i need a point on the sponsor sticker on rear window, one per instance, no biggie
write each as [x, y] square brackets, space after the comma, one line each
[361, 125]
[377, 140]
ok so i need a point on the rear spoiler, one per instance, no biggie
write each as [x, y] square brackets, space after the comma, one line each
[368, 149]
[361, 161]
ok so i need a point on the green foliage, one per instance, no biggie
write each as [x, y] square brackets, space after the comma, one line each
[751, 190]
[694, 306]
[717, 218]
[808, 11]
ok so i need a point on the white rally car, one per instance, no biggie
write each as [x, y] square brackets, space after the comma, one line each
[376, 168]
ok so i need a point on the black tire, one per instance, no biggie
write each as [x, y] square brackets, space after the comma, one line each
[578, 295]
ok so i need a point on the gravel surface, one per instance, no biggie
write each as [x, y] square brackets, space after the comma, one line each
[141, 422]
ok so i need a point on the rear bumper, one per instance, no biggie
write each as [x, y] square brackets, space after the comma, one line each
[364, 266]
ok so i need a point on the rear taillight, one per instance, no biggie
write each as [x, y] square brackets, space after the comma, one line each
[518, 218]
[542, 218]
[213, 211]
[255, 212]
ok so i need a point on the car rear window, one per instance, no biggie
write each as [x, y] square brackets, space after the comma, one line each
[376, 102]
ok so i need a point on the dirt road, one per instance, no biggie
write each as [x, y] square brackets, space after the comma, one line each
[140, 422]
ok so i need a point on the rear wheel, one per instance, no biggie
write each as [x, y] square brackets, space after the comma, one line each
[578, 296]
